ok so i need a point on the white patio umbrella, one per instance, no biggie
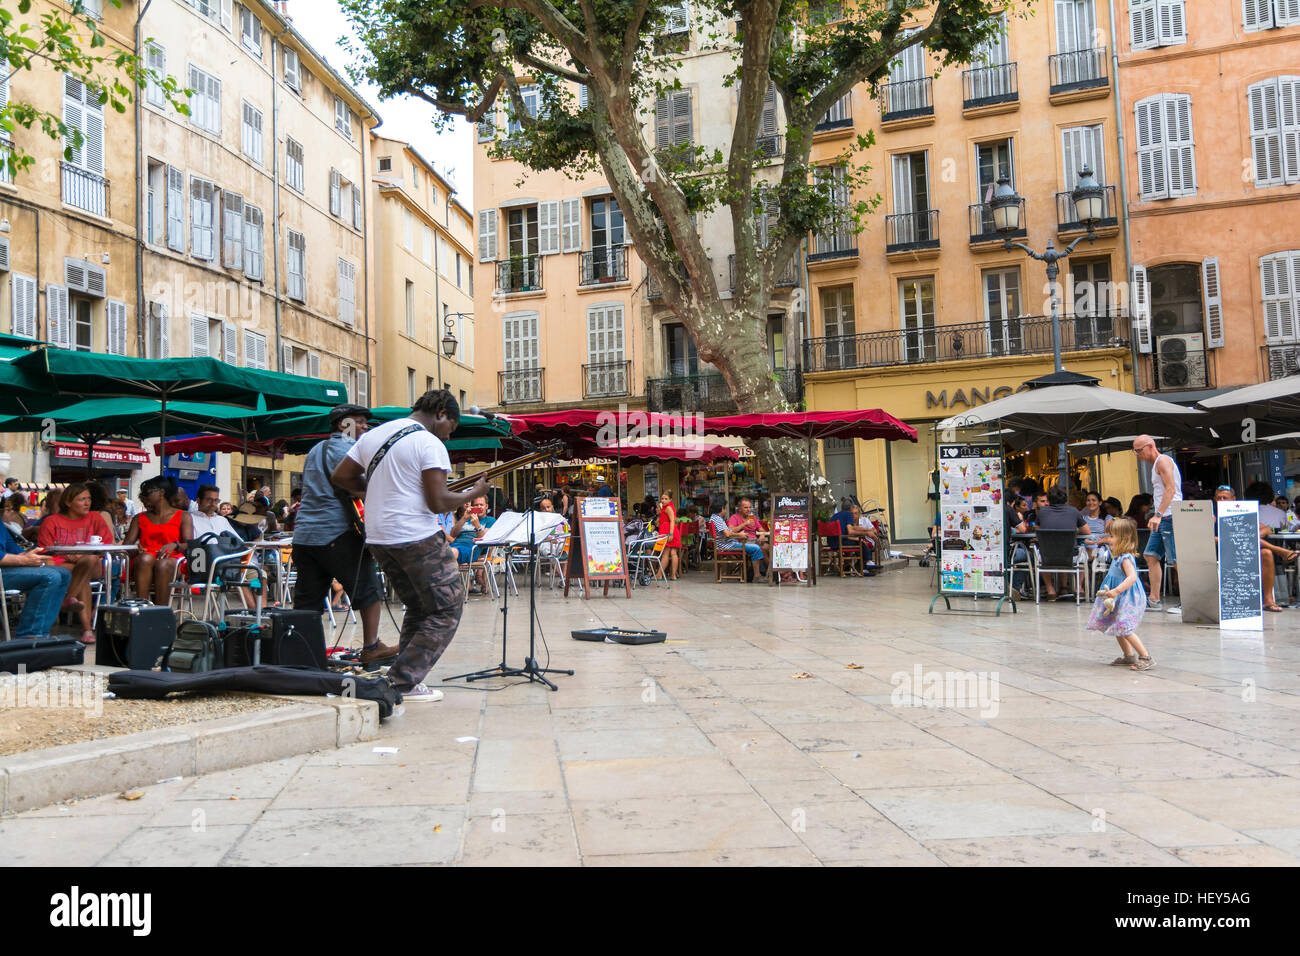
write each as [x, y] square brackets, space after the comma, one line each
[1274, 406]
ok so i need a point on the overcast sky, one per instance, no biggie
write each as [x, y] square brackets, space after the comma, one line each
[323, 22]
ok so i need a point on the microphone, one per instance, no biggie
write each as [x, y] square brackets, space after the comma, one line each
[475, 410]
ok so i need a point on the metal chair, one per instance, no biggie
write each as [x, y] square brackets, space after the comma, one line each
[5, 595]
[647, 553]
[1058, 553]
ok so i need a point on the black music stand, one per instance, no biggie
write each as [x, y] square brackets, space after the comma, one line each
[530, 670]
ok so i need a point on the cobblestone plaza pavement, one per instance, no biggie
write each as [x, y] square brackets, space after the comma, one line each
[710, 750]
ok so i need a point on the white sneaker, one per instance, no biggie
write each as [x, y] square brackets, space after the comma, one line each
[1176, 609]
[420, 693]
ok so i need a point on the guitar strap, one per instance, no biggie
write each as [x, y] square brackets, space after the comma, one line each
[393, 439]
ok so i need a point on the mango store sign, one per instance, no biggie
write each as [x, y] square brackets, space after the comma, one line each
[969, 397]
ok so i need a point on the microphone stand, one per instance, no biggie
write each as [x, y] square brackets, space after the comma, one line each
[530, 671]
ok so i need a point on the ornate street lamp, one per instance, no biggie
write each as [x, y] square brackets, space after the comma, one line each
[1088, 198]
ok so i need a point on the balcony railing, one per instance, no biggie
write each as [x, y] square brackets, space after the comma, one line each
[604, 265]
[1025, 335]
[789, 275]
[771, 146]
[904, 99]
[838, 116]
[1281, 360]
[84, 189]
[834, 242]
[519, 274]
[652, 288]
[606, 379]
[707, 392]
[1080, 70]
[981, 223]
[521, 385]
[1173, 367]
[990, 85]
[910, 231]
[1067, 219]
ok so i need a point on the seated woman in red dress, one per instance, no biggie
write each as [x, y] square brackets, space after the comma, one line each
[75, 523]
[159, 530]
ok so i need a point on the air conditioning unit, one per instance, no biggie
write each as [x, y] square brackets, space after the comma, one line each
[1181, 360]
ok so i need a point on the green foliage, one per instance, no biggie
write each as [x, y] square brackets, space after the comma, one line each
[70, 44]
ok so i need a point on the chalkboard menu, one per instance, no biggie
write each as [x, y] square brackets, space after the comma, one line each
[972, 529]
[790, 538]
[1240, 592]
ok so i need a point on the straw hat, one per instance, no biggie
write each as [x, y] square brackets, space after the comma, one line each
[247, 514]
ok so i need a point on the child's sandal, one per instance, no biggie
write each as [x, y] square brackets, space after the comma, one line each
[1127, 660]
[1144, 664]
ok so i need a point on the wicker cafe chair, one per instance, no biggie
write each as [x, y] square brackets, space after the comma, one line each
[727, 565]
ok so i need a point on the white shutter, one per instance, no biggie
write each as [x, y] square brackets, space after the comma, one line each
[1180, 144]
[582, 97]
[22, 303]
[227, 14]
[347, 292]
[59, 325]
[116, 327]
[74, 274]
[286, 358]
[4, 255]
[548, 227]
[487, 235]
[202, 196]
[1288, 94]
[313, 364]
[363, 387]
[334, 193]
[663, 123]
[571, 224]
[253, 243]
[682, 119]
[767, 121]
[1265, 132]
[73, 117]
[1279, 297]
[1142, 24]
[175, 209]
[232, 230]
[292, 76]
[677, 18]
[229, 343]
[156, 62]
[1257, 14]
[1173, 22]
[1067, 27]
[1141, 309]
[164, 331]
[1286, 12]
[1152, 173]
[356, 207]
[1213, 302]
[255, 350]
[199, 346]
[903, 198]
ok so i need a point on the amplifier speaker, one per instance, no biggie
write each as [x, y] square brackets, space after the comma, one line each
[296, 637]
[133, 635]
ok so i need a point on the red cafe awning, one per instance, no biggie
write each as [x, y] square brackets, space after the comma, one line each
[619, 427]
[706, 453]
[869, 423]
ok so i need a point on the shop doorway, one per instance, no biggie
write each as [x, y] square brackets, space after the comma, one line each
[911, 510]
[841, 468]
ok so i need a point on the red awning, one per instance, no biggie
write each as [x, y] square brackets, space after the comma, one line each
[867, 423]
[211, 443]
[609, 427]
[642, 454]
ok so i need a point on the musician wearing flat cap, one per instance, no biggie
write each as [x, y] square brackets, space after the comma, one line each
[401, 469]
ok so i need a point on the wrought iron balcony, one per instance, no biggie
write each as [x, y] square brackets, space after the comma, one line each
[1281, 360]
[990, 85]
[652, 288]
[606, 379]
[606, 264]
[837, 241]
[981, 223]
[1067, 219]
[838, 116]
[912, 231]
[1025, 335]
[1079, 70]
[789, 275]
[84, 189]
[519, 274]
[707, 392]
[906, 99]
[521, 385]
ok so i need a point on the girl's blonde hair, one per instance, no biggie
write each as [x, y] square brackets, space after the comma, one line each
[1124, 536]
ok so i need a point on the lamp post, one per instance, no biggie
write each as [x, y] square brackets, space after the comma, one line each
[449, 338]
[1088, 197]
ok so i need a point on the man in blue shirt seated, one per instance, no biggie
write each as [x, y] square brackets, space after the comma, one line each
[857, 529]
[44, 585]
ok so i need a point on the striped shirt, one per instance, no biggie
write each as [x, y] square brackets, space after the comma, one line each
[722, 542]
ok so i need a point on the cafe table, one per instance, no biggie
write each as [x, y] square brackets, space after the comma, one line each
[105, 550]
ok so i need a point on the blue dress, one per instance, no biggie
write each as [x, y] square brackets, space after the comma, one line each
[1129, 606]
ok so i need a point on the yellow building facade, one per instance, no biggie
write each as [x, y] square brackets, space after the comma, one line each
[423, 278]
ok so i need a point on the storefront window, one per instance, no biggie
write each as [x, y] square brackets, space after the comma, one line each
[912, 511]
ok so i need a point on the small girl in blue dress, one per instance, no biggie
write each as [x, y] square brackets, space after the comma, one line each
[1121, 600]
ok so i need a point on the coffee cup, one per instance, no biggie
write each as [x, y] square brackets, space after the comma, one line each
[96, 539]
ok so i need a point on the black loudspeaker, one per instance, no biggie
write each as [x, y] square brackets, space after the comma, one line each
[294, 637]
[133, 634]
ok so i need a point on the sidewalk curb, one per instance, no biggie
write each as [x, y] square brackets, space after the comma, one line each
[103, 766]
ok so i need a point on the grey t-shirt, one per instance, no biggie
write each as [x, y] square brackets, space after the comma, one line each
[1060, 518]
[321, 516]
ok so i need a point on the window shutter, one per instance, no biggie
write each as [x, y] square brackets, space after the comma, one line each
[201, 216]
[582, 96]
[227, 14]
[74, 274]
[292, 76]
[4, 255]
[1152, 178]
[1180, 143]
[1141, 309]
[232, 230]
[548, 227]
[1173, 22]
[487, 235]
[286, 359]
[253, 242]
[1265, 132]
[1257, 14]
[1142, 24]
[663, 123]
[1279, 297]
[164, 331]
[334, 193]
[767, 123]
[229, 343]
[363, 387]
[682, 119]
[250, 349]
[570, 225]
[1288, 89]
[73, 117]
[156, 61]
[1213, 302]
[22, 303]
[347, 294]
[96, 281]
[903, 199]
[56, 316]
[1286, 12]
[175, 209]
[116, 327]
[313, 364]
[199, 336]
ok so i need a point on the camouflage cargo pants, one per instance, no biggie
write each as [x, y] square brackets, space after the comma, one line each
[427, 579]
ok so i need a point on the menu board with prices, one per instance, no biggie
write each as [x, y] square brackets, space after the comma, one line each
[972, 530]
[1240, 588]
[790, 540]
[597, 553]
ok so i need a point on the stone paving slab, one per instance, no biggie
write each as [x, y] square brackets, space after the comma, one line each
[710, 752]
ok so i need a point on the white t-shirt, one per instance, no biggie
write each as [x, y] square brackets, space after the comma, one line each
[211, 523]
[396, 512]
